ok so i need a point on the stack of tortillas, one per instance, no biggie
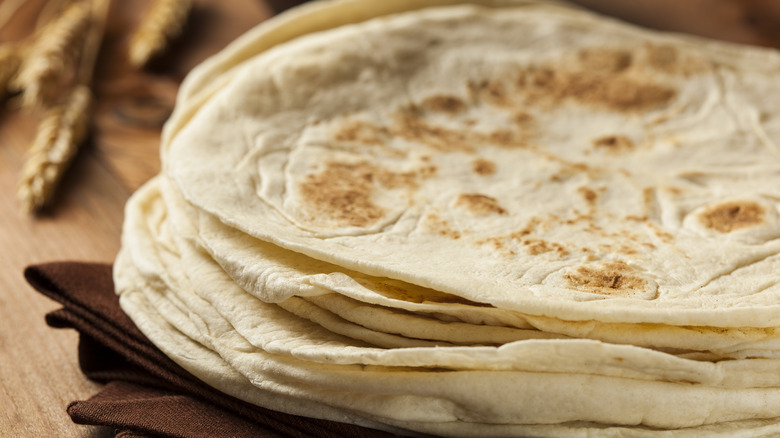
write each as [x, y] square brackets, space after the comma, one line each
[493, 218]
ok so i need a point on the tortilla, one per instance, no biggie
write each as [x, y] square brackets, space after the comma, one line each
[621, 175]
[274, 274]
[499, 218]
[292, 357]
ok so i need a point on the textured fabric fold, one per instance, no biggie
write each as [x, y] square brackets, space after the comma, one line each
[145, 393]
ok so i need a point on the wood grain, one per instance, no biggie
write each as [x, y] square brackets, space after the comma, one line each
[39, 372]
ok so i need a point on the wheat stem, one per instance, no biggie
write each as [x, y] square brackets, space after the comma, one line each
[64, 126]
[163, 22]
[49, 62]
[10, 60]
[59, 135]
[93, 40]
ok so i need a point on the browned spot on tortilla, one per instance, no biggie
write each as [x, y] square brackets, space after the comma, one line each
[523, 118]
[673, 190]
[491, 91]
[538, 246]
[362, 132]
[484, 167]
[410, 124]
[734, 215]
[589, 195]
[616, 92]
[661, 57]
[604, 60]
[437, 225]
[609, 278]
[343, 192]
[500, 242]
[479, 204]
[529, 228]
[451, 105]
[394, 180]
[614, 143]
[660, 233]
[670, 60]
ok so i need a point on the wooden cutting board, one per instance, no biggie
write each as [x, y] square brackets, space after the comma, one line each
[39, 373]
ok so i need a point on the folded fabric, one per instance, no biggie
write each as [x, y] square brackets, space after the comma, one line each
[146, 394]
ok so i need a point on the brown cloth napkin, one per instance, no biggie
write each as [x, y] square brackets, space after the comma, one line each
[146, 394]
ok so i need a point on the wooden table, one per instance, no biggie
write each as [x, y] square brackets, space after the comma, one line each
[39, 373]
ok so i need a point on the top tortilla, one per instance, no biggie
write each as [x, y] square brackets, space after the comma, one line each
[536, 158]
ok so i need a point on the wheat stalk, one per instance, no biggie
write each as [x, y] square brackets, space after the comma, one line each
[163, 22]
[10, 60]
[59, 135]
[56, 48]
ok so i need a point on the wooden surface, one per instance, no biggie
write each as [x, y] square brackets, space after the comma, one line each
[39, 374]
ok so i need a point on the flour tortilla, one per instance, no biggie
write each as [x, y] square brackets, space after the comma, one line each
[413, 392]
[210, 367]
[709, 227]
[207, 78]
[275, 274]
[662, 211]
[190, 283]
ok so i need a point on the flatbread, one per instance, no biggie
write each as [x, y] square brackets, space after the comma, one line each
[275, 274]
[622, 175]
[491, 218]
[281, 354]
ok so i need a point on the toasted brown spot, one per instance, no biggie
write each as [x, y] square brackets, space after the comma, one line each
[662, 57]
[529, 228]
[605, 60]
[439, 226]
[394, 180]
[660, 233]
[523, 118]
[588, 194]
[668, 59]
[484, 167]
[478, 204]
[616, 92]
[343, 192]
[362, 132]
[410, 125]
[614, 143]
[491, 91]
[609, 278]
[444, 104]
[538, 246]
[730, 216]
[673, 190]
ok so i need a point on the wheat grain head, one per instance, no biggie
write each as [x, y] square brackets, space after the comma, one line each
[163, 22]
[53, 55]
[59, 136]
